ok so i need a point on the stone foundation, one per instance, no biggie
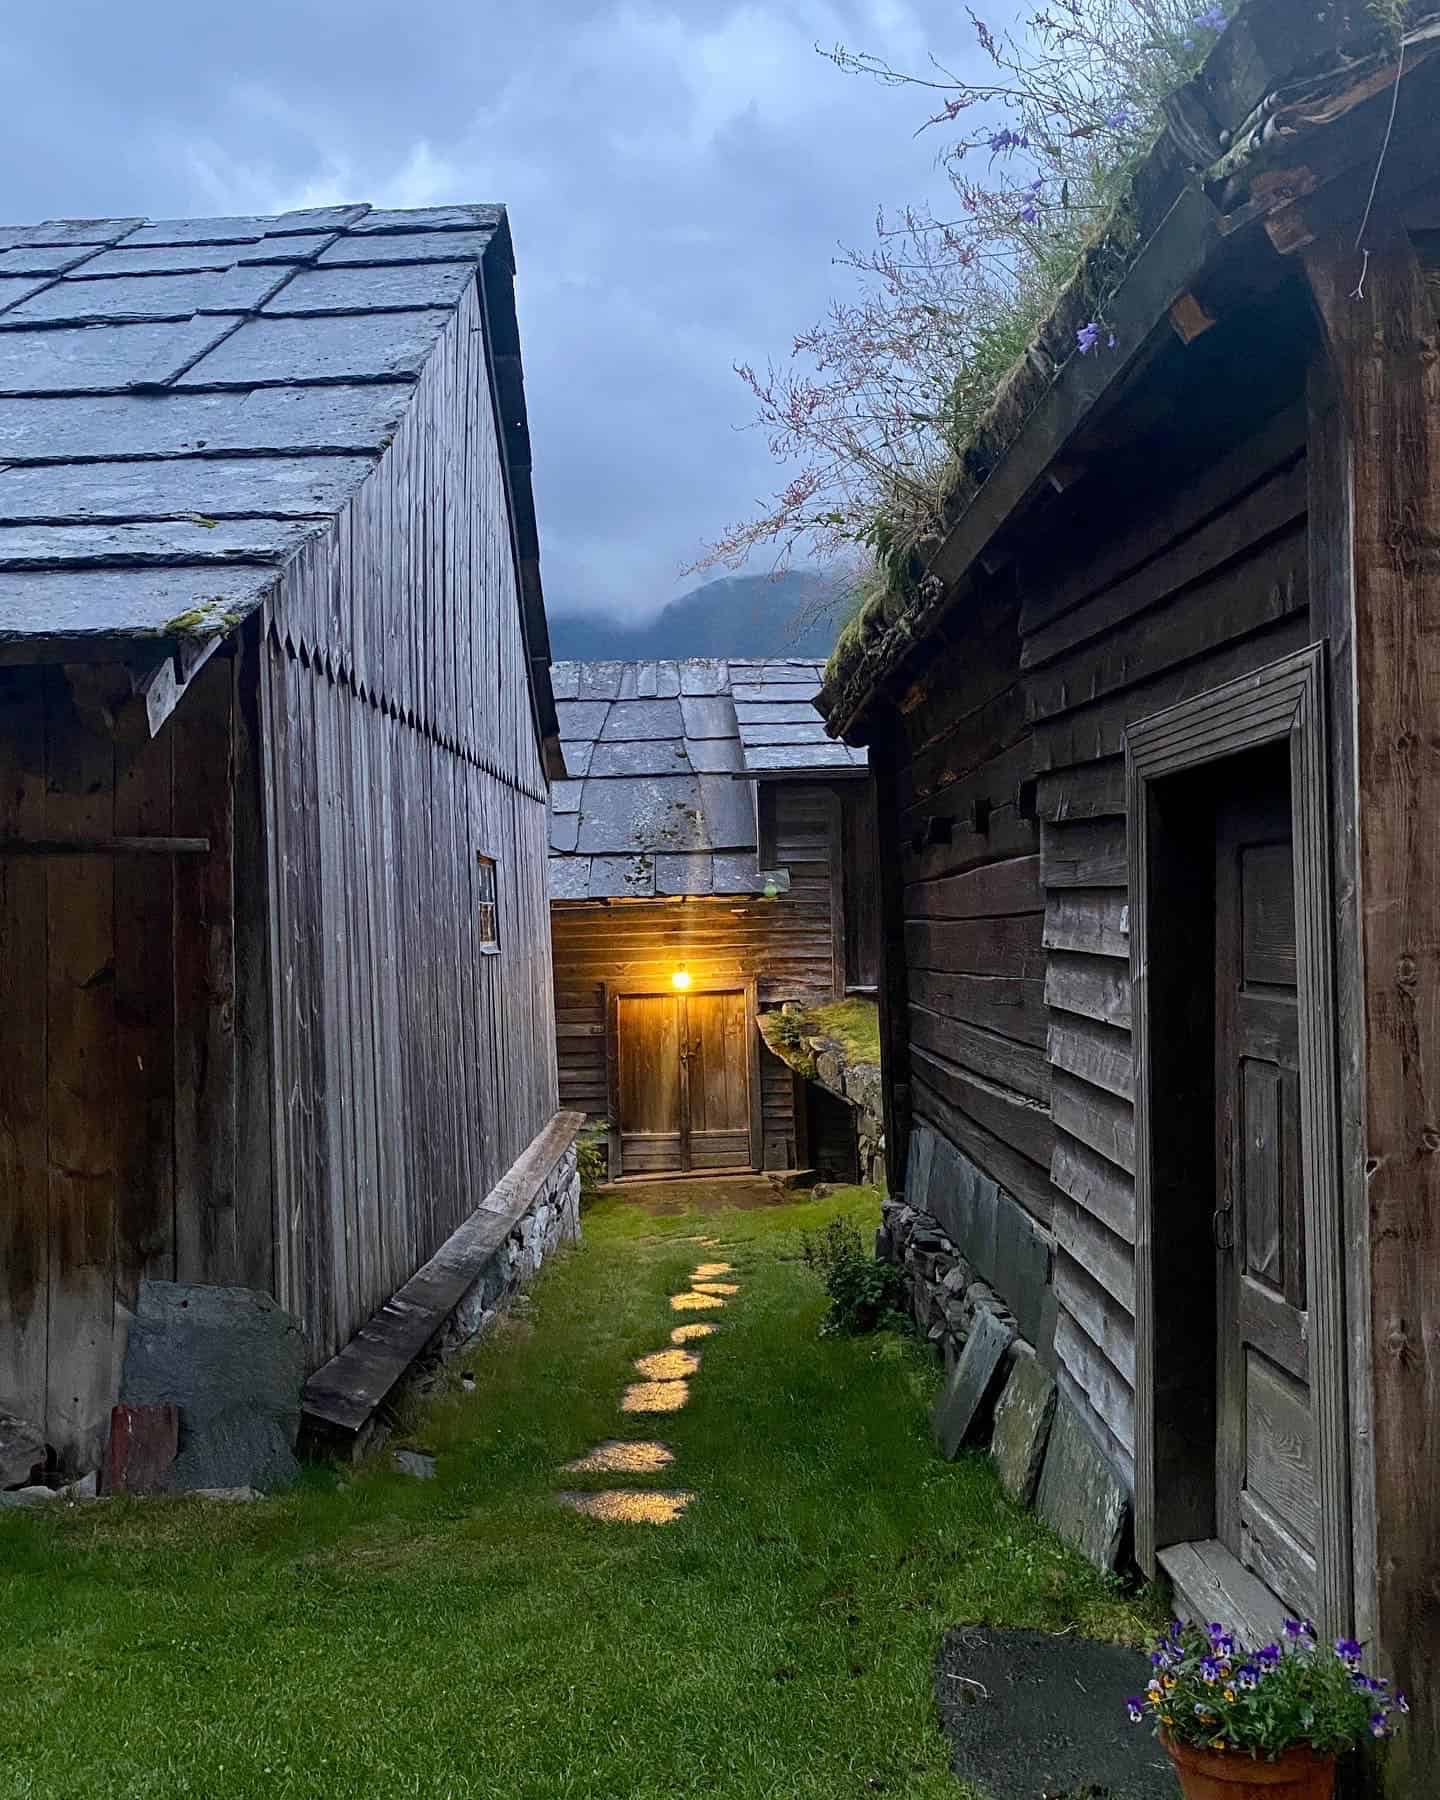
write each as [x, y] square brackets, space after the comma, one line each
[977, 1275]
[552, 1221]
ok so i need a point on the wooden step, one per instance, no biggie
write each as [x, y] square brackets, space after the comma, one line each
[1212, 1585]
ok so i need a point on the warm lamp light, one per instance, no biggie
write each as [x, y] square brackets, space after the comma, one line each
[680, 980]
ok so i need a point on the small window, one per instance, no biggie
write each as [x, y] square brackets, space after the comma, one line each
[488, 917]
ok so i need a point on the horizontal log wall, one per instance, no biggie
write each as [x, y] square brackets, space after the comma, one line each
[126, 1088]
[786, 946]
[973, 912]
[412, 1067]
[1202, 587]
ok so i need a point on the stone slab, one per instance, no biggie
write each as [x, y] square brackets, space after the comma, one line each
[233, 1362]
[1024, 1414]
[22, 1450]
[144, 1442]
[962, 1404]
[1032, 1716]
[1080, 1495]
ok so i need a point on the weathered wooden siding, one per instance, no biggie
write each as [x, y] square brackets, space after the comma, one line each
[787, 946]
[1201, 588]
[973, 912]
[411, 1067]
[126, 1091]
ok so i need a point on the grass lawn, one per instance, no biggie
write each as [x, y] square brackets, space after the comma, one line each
[468, 1637]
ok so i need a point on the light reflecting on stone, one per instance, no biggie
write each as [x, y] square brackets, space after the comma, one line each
[616, 1457]
[667, 1365]
[622, 1506]
[708, 1271]
[695, 1302]
[717, 1287]
[687, 1334]
[655, 1396]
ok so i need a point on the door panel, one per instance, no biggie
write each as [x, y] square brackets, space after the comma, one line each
[649, 1051]
[1267, 1512]
[719, 1087]
[684, 1082]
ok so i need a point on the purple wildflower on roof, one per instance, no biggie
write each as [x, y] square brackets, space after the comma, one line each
[1213, 18]
[1119, 119]
[1087, 337]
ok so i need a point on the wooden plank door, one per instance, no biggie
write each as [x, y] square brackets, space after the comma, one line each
[718, 1084]
[648, 1050]
[1266, 1497]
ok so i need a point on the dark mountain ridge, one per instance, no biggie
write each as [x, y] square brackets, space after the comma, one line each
[790, 614]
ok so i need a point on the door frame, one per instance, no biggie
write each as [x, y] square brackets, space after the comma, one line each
[1174, 1424]
[613, 990]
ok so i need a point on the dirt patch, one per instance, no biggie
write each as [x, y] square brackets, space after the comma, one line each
[1035, 1717]
[668, 1199]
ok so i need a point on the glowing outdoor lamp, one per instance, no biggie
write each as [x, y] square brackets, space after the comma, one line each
[680, 980]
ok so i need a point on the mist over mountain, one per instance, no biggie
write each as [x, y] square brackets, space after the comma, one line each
[738, 615]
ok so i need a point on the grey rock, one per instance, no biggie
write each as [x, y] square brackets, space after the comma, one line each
[414, 1462]
[228, 1494]
[961, 1407]
[86, 1488]
[22, 1450]
[27, 1496]
[233, 1362]
[1080, 1494]
[1023, 1417]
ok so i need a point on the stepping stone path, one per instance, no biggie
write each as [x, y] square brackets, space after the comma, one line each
[664, 1387]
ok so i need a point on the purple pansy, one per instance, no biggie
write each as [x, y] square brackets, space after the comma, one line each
[1136, 1708]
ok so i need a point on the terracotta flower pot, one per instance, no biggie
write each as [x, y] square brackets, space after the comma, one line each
[1231, 1775]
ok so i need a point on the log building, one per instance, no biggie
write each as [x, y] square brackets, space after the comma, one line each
[1154, 747]
[275, 727]
[710, 858]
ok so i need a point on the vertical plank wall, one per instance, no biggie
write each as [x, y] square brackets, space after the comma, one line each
[120, 1066]
[412, 1067]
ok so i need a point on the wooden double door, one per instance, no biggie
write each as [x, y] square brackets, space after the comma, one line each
[683, 1081]
[1267, 1506]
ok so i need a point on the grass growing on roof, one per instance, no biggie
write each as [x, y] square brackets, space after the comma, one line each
[467, 1637]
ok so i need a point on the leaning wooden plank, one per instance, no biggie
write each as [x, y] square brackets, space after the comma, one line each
[341, 1397]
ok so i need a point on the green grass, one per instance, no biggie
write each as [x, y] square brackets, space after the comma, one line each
[467, 1637]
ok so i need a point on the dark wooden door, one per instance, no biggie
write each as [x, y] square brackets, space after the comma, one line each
[684, 1082]
[648, 1029]
[718, 1084]
[1266, 1500]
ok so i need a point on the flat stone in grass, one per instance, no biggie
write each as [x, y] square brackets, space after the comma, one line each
[1035, 1717]
[962, 1404]
[233, 1362]
[619, 1456]
[1080, 1494]
[629, 1506]
[1023, 1416]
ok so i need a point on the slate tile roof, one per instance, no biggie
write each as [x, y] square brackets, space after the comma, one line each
[183, 403]
[656, 802]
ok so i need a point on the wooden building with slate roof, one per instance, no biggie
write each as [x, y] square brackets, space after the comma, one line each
[710, 858]
[1154, 740]
[275, 731]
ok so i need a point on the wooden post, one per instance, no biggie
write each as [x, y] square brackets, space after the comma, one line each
[1380, 325]
[885, 754]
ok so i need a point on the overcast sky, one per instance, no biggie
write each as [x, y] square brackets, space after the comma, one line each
[678, 178]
